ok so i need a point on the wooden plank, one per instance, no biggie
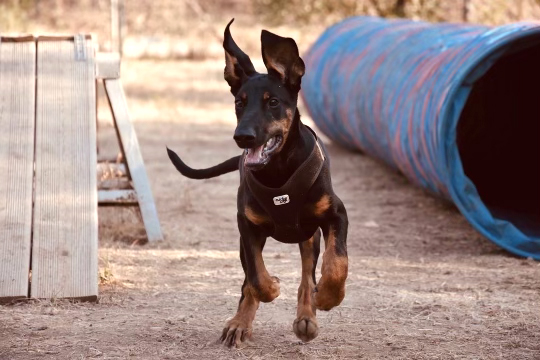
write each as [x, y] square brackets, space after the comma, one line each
[108, 65]
[64, 252]
[57, 37]
[134, 160]
[117, 197]
[20, 38]
[17, 99]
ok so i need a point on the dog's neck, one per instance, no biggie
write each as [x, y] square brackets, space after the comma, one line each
[296, 150]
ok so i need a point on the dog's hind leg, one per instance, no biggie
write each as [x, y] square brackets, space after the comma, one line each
[330, 289]
[305, 325]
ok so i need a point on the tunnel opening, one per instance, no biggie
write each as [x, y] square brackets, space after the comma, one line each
[498, 138]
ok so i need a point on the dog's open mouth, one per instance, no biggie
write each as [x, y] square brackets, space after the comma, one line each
[258, 156]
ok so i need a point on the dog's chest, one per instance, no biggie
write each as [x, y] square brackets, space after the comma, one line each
[290, 222]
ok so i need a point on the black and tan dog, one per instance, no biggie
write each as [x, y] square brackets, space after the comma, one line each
[285, 187]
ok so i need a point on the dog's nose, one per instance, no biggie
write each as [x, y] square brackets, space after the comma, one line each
[245, 138]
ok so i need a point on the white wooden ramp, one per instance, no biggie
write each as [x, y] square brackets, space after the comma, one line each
[64, 248]
[17, 97]
[48, 174]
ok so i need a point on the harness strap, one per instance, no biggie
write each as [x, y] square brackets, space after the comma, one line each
[283, 204]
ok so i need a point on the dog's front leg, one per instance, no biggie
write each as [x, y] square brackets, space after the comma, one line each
[330, 289]
[258, 284]
[239, 328]
[262, 286]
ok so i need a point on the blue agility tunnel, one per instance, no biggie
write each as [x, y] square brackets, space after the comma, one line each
[454, 107]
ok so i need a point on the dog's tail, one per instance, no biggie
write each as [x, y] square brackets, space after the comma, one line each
[225, 167]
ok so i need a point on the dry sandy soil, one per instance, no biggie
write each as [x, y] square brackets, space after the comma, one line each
[422, 283]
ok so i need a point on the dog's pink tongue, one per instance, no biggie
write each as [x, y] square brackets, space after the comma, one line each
[254, 156]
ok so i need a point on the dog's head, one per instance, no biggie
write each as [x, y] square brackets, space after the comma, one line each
[265, 103]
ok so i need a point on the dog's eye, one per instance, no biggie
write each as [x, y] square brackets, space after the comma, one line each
[273, 102]
[239, 104]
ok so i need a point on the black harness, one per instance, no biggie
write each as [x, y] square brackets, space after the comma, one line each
[283, 204]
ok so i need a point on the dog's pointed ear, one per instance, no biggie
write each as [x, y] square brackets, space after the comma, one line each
[238, 66]
[282, 59]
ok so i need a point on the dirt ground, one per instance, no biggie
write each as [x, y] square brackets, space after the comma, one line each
[422, 283]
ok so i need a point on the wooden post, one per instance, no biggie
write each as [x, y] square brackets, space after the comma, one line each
[466, 10]
[117, 24]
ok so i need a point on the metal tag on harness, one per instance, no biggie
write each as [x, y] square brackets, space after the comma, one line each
[282, 199]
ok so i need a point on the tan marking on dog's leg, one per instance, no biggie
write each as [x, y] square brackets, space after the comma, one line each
[239, 328]
[255, 218]
[331, 286]
[305, 325]
[322, 205]
[268, 286]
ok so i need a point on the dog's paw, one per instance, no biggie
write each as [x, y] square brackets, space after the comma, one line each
[235, 333]
[306, 329]
[326, 296]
